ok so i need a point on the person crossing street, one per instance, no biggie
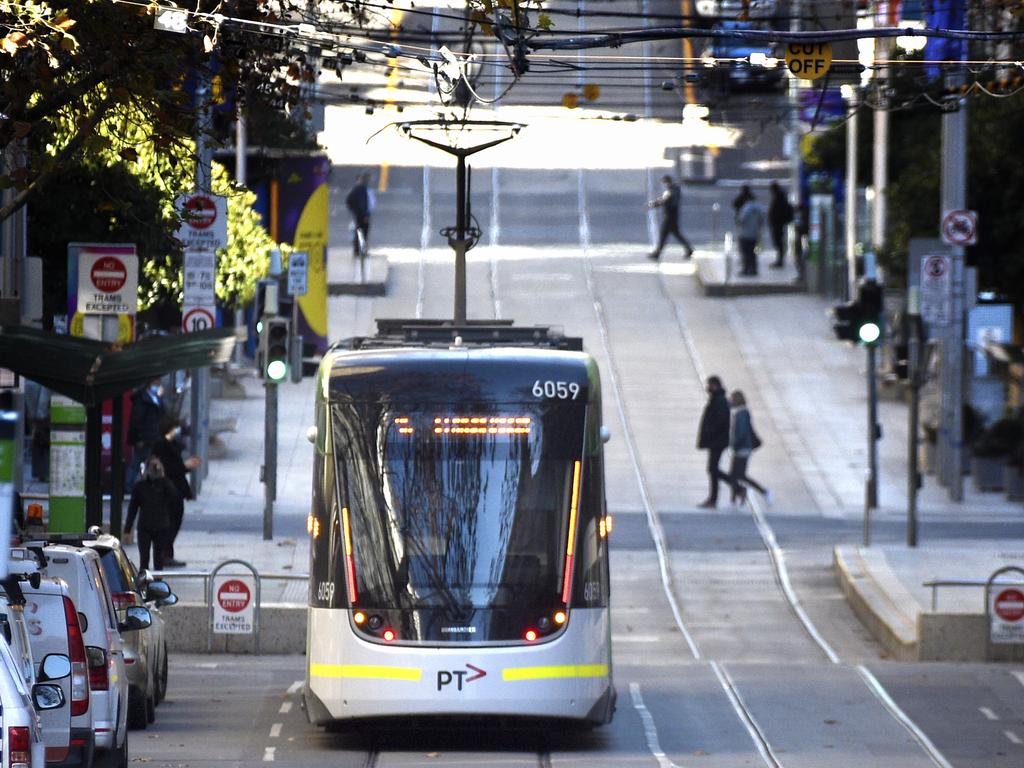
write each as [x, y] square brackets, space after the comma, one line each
[713, 437]
[669, 202]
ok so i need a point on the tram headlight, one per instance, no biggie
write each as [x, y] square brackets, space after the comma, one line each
[388, 635]
[359, 617]
[530, 635]
[561, 617]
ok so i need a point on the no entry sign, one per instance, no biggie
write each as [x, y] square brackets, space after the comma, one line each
[1006, 611]
[107, 282]
[233, 605]
[204, 221]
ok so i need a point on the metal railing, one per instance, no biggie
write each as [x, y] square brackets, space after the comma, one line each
[934, 584]
[206, 575]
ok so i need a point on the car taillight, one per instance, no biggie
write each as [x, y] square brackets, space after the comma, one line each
[99, 679]
[79, 664]
[19, 746]
[123, 599]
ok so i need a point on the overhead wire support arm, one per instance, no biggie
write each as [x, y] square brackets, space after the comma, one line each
[617, 39]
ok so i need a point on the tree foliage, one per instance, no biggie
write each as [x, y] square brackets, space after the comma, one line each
[92, 61]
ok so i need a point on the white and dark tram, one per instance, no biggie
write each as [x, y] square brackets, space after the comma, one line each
[459, 551]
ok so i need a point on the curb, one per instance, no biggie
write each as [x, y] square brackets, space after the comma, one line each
[896, 632]
[282, 630]
[716, 288]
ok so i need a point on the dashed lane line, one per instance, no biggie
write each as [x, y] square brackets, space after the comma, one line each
[268, 754]
[275, 730]
[1013, 737]
[286, 707]
[1019, 676]
[650, 729]
[294, 687]
[988, 713]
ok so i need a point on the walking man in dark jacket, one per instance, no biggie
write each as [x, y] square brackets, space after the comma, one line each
[713, 437]
[780, 213]
[669, 204]
[169, 449]
[154, 498]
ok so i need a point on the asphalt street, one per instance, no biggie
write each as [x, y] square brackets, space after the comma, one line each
[729, 651]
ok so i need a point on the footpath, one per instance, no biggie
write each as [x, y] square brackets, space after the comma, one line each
[811, 387]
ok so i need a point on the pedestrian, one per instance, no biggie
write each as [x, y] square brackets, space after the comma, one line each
[780, 214]
[360, 203]
[744, 441]
[800, 229]
[669, 203]
[713, 437]
[749, 221]
[169, 449]
[153, 498]
[37, 420]
[148, 413]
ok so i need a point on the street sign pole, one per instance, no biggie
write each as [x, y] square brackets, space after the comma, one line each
[913, 415]
[954, 186]
[269, 458]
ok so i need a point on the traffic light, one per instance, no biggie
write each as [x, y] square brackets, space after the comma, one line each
[870, 299]
[274, 346]
[861, 320]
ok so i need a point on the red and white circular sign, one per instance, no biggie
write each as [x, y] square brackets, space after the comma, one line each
[234, 596]
[1009, 605]
[108, 274]
[200, 212]
[960, 228]
[197, 319]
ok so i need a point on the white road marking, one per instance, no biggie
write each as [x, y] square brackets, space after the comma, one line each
[286, 707]
[746, 716]
[988, 713]
[636, 639]
[894, 709]
[1019, 676]
[268, 754]
[206, 665]
[1013, 737]
[294, 687]
[650, 730]
[275, 730]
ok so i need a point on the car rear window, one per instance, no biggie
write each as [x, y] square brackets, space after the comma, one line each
[116, 577]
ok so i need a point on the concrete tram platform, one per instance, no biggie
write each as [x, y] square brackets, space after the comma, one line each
[886, 587]
[718, 274]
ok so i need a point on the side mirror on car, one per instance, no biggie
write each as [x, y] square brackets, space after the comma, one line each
[171, 599]
[136, 617]
[55, 666]
[157, 590]
[47, 696]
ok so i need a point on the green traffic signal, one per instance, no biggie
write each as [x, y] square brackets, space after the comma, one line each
[274, 348]
[277, 370]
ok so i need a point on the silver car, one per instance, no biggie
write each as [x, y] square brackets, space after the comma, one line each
[145, 652]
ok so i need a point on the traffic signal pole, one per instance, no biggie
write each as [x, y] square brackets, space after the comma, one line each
[269, 458]
[913, 417]
[871, 483]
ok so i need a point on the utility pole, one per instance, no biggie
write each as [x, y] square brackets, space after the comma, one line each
[241, 172]
[851, 191]
[954, 197]
[268, 473]
[913, 415]
[200, 377]
[880, 171]
[795, 25]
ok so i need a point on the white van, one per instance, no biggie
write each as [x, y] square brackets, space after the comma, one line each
[53, 627]
[22, 734]
[80, 568]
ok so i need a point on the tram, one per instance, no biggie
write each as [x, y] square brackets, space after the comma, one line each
[459, 538]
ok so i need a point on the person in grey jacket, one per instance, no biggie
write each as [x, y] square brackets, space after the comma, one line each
[749, 222]
[743, 441]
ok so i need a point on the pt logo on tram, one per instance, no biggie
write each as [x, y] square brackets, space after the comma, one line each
[457, 677]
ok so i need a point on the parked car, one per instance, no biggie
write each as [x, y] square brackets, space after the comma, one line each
[81, 569]
[23, 745]
[53, 629]
[145, 652]
[742, 63]
[756, 9]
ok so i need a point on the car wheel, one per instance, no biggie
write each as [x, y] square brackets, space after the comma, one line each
[137, 710]
[121, 759]
[161, 679]
[151, 708]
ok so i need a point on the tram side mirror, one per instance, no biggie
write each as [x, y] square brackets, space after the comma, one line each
[606, 434]
[311, 434]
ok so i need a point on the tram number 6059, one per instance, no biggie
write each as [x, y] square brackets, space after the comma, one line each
[563, 390]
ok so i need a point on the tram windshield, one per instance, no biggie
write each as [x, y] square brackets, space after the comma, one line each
[456, 510]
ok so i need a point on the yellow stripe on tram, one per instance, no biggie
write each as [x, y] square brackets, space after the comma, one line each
[366, 672]
[512, 674]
